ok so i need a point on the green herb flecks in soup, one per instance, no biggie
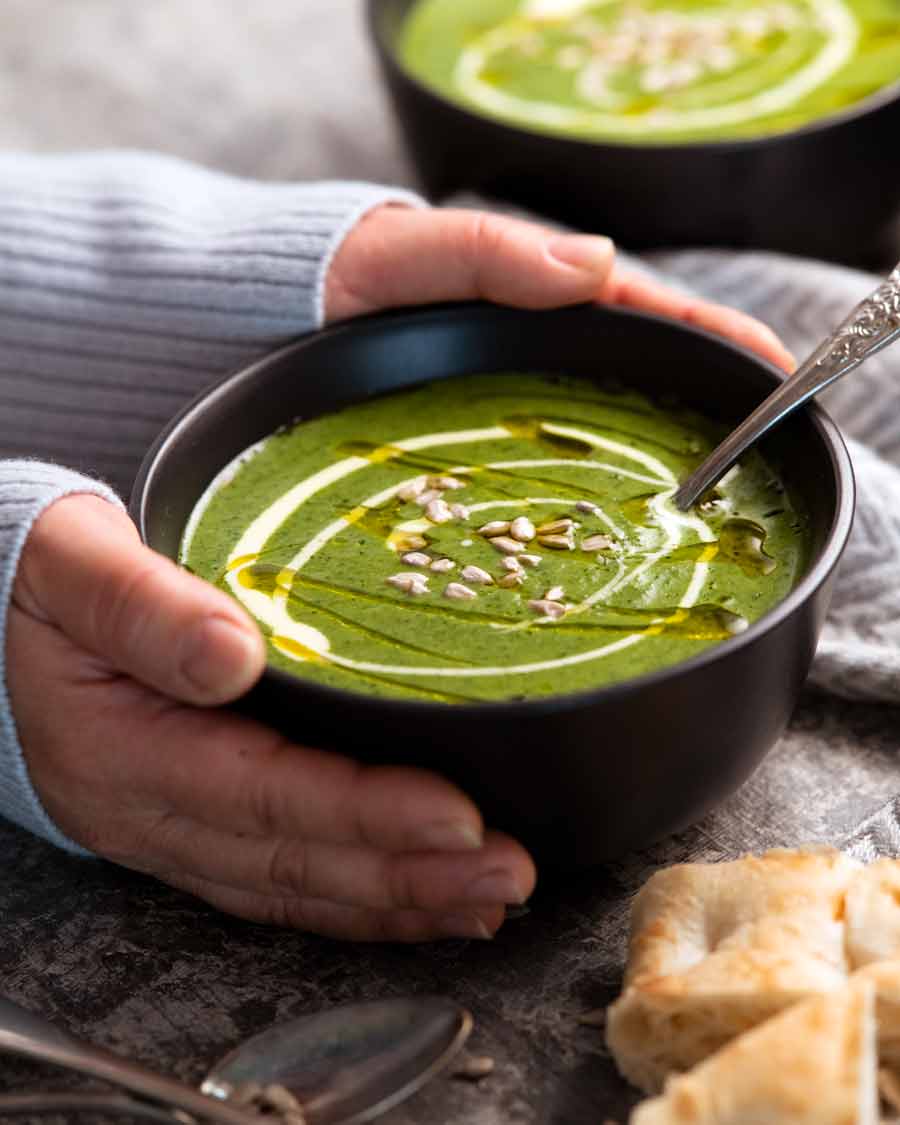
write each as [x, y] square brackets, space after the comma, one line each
[655, 70]
[493, 537]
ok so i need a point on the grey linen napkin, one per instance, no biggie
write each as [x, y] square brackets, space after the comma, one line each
[859, 654]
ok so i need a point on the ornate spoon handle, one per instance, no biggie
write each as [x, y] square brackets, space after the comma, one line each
[872, 325]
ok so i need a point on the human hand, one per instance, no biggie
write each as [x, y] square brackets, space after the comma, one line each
[115, 660]
[402, 256]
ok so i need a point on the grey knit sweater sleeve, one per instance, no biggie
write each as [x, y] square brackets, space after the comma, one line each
[127, 283]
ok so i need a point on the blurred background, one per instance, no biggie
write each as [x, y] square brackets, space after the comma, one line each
[277, 89]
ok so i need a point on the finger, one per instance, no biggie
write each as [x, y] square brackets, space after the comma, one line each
[635, 291]
[238, 776]
[349, 923]
[400, 256]
[114, 761]
[85, 570]
[500, 873]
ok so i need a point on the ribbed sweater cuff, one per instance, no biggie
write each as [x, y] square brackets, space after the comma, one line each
[140, 241]
[26, 489]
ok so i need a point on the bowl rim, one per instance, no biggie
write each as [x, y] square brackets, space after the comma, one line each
[883, 96]
[820, 569]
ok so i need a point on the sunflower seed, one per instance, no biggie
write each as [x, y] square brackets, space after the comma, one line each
[246, 1093]
[409, 583]
[460, 511]
[587, 506]
[512, 564]
[495, 527]
[522, 529]
[438, 512]
[408, 542]
[512, 580]
[507, 546]
[530, 560]
[280, 1098]
[416, 558]
[547, 608]
[412, 490]
[555, 527]
[477, 575]
[425, 498]
[443, 566]
[450, 483]
[557, 542]
[459, 592]
[596, 543]
[474, 1068]
[555, 594]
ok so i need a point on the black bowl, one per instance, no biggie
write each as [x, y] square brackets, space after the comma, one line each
[578, 778]
[830, 189]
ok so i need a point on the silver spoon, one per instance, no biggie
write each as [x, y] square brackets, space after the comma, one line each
[345, 1066]
[873, 325]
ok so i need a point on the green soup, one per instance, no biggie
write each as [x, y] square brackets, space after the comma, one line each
[655, 70]
[493, 537]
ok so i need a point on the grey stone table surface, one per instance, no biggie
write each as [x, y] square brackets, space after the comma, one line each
[278, 89]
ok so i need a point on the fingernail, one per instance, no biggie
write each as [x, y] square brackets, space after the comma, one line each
[494, 887]
[219, 657]
[464, 926]
[449, 836]
[589, 252]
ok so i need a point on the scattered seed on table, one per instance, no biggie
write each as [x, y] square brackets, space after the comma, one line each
[555, 594]
[530, 560]
[474, 1068]
[443, 566]
[511, 563]
[280, 1098]
[477, 575]
[459, 592]
[460, 511]
[512, 580]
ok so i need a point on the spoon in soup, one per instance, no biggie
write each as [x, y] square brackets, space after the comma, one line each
[873, 325]
[343, 1066]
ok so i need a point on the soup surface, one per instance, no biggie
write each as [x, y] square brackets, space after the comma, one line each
[493, 537]
[655, 70]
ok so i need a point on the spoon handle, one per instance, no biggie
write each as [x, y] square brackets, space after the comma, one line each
[106, 1105]
[873, 324]
[26, 1033]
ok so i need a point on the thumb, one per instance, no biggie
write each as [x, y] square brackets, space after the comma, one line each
[84, 570]
[401, 256]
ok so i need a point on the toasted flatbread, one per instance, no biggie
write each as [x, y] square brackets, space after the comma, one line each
[814, 1064]
[873, 913]
[718, 948]
[885, 976]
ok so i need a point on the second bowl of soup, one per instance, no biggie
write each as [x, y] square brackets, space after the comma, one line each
[660, 122]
